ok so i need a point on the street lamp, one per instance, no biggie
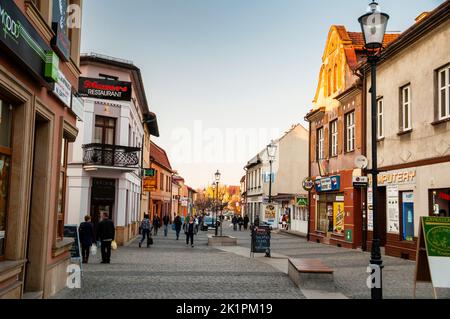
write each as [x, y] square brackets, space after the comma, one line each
[217, 177]
[271, 154]
[373, 25]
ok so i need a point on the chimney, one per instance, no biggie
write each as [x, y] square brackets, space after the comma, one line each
[422, 16]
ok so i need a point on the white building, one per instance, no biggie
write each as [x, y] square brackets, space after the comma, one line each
[104, 163]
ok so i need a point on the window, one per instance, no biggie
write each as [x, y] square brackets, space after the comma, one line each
[380, 117]
[334, 138]
[105, 130]
[406, 108]
[407, 216]
[108, 77]
[5, 168]
[335, 78]
[161, 186]
[444, 93]
[320, 144]
[329, 78]
[350, 132]
[62, 190]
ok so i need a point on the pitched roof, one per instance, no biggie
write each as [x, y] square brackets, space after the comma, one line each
[159, 156]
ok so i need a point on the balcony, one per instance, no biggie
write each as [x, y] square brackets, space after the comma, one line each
[113, 156]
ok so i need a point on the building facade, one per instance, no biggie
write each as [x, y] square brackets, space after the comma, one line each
[161, 198]
[254, 184]
[413, 132]
[336, 140]
[176, 195]
[105, 162]
[39, 70]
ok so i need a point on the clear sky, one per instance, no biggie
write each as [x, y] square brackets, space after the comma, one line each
[218, 69]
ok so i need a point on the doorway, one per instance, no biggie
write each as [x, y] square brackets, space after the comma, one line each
[38, 218]
[102, 198]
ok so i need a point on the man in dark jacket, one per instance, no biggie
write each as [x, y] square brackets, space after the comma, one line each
[87, 238]
[178, 223]
[156, 224]
[246, 221]
[234, 221]
[106, 233]
[240, 222]
[166, 222]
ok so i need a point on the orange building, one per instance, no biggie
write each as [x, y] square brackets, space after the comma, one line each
[336, 139]
[160, 200]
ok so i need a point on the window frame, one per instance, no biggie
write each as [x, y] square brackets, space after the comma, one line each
[104, 127]
[406, 122]
[446, 89]
[62, 184]
[334, 138]
[350, 131]
[380, 119]
[320, 145]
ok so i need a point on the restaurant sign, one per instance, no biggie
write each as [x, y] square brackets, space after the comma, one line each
[328, 184]
[20, 38]
[105, 89]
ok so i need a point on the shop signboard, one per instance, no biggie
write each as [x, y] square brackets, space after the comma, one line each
[328, 184]
[71, 231]
[105, 89]
[150, 184]
[302, 201]
[21, 39]
[370, 209]
[393, 220]
[62, 89]
[269, 212]
[360, 181]
[78, 107]
[308, 184]
[60, 41]
[261, 239]
[401, 177]
[433, 252]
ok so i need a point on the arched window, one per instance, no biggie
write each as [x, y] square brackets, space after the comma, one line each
[329, 87]
[335, 79]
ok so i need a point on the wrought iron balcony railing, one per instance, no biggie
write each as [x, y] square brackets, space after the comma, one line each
[111, 155]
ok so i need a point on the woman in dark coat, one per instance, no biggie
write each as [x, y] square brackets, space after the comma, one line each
[87, 238]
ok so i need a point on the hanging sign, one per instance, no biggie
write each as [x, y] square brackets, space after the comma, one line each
[105, 89]
[393, 222]
[308, 184]
[433, 252]
[63, 90]
[328, 184]
[60, 41]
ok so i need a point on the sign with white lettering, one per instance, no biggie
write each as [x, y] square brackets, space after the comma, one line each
[63, 89]
[105, 89]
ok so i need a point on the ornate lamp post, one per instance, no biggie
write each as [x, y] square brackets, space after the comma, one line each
[271, 154]
[373, 25]
[217, 178]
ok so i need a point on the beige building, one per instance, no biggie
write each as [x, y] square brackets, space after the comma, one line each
[413, 87]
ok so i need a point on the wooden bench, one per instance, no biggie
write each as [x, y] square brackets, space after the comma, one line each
[311, 274]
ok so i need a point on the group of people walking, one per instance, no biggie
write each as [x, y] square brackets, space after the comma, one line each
[241, 222]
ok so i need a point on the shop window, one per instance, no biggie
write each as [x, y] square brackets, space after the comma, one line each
[5, 168]
[407, 207]
[322, 217]
[440, 202]
[62, 190]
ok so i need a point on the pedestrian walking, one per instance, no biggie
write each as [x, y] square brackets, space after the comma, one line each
[178, 223]
[257, 222]
[246, 221]
[196, 224]
[146, 228]
[189, 230]
[156, 224]
[166, 222]
[234, 221]
[106, 233]
[87, 238]
[240, 222]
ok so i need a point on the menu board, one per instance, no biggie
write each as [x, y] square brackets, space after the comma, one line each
[261, 239]
[71, 231]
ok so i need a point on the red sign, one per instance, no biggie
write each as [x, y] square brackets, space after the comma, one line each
[105, 89]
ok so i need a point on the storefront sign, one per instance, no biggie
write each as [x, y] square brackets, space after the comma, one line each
[397, 178]
[22, 40]
[328, 184]
[360, 181]
[105, 89]
[269, 212]
[308, 184]
[61, 41]
[433, 262]
[393, 221]
[78, 107]
[63, 89]
[260, 240]
[150, 184]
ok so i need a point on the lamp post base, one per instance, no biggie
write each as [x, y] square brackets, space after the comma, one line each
[375, 281]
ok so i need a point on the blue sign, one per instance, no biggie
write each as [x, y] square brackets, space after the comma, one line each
[328, 184]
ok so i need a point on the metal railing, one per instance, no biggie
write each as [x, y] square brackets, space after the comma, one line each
[111, 155]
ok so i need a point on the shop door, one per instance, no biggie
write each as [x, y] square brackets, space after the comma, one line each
[381, 218]
[102, 198]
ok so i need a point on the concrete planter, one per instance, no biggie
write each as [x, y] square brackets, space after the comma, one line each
[221, 241]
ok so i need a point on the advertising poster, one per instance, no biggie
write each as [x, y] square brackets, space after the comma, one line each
[393, 226]
[370, 209]
[339, 215]
[408, 215]
[269, 212]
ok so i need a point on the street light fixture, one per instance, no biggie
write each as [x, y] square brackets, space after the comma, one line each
[217, 177]
[373, 25]
[271, 154]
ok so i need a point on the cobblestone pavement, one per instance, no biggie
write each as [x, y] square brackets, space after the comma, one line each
[169, 269]
[350, 267]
